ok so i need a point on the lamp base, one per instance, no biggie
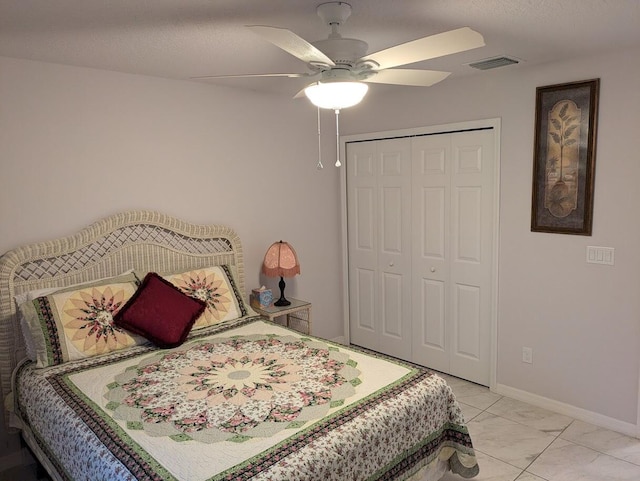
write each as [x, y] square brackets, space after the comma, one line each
[282, 301]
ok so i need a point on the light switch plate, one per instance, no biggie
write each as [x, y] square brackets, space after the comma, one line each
[600, 255]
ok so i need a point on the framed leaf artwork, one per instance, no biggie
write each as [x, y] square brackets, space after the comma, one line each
[564, 157]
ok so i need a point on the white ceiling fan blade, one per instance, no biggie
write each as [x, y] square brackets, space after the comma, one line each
[291, 43]
[403, 76]
[249, 75]
[425, 48]
[300, 94]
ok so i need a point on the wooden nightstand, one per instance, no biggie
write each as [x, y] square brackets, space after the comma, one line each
[296, 316]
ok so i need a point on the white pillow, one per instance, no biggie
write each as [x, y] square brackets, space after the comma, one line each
[45, 291]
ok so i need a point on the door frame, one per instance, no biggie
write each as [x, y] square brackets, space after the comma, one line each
[492, 123]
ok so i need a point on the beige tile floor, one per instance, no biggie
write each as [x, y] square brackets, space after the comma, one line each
[515, 441]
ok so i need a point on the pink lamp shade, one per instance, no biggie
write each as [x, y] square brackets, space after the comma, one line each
[281, 261]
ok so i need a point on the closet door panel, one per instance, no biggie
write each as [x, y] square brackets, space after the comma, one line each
[432, 309]
[472, 256]
[379, 236]
[391, 220]
[433, 205]
[467, 230]
[362, 210]
[430, 278]
[392, 290]
[466, 321]
[364, 304]
[394, 254]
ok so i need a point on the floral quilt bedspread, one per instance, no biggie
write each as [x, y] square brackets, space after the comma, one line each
[252, 401]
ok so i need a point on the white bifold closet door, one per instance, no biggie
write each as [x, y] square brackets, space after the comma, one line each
[420, 236]
[378, 209]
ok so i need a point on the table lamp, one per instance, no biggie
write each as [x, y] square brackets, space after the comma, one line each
[281, 261]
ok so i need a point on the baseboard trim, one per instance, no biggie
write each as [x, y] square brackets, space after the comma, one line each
[569, 410]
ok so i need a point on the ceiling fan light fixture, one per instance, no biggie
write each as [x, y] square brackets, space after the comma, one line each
[336, 95]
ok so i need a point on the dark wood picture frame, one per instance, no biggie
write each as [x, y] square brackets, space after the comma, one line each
[564, 157]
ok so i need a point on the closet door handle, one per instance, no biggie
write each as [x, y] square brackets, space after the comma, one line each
[433, 269]
[390, 264]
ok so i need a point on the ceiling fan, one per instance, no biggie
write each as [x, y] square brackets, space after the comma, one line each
[340, 67]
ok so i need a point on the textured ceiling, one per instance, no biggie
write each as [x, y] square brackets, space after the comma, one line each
[186, 38]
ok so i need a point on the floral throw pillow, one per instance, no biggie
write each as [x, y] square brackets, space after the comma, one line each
[216, 287]
[78, 323]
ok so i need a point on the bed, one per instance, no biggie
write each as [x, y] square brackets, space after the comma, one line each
[208, 390]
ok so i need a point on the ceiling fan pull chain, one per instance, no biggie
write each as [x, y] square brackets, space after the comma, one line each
[320, 166]
[338, 164]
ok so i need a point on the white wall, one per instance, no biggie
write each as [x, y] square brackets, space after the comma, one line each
[582, 320]
[78, 144]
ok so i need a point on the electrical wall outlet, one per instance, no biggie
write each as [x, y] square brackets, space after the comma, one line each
[527, 355]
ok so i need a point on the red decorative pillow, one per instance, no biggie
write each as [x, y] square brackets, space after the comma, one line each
[160, 312]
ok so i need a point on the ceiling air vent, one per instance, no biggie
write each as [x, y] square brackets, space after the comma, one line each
[489, 63]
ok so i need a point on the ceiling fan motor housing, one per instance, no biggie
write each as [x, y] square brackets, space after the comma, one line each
[343, 51]
[337, 74]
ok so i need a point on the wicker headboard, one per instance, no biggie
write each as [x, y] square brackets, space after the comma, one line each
[141, 240]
